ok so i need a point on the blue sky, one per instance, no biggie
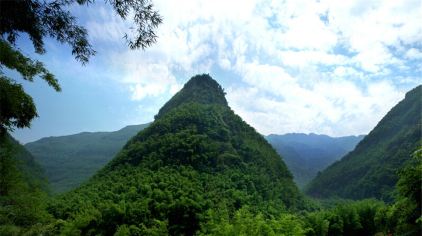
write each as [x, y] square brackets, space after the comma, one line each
[328, 67]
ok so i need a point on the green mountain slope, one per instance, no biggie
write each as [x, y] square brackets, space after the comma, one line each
[71, 160]
[370, 169]
[307, 154]
[22, 189]
[31, 171]
[195, 161]
[197, 91]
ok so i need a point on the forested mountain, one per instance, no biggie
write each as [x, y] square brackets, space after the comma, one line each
[22, 187]
[370, 170]
[29, 169]
[70, 160]
[196, 162]
[307, 154]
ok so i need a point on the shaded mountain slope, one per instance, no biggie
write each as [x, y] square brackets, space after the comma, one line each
[307, 154]
[22, 189]
[27, 166]
[71, 160]
[370, 170]
[197, 158]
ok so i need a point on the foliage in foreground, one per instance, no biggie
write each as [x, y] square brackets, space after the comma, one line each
[175, 193]
[172, 191]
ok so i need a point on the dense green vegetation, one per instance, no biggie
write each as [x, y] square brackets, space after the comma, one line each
[26, 214]
[338, 217]
[198, 169]
[22, 190]
[70, 160]
[196, 157]
[196, 90]
[371, 169]
[20, 159]
[307, 154]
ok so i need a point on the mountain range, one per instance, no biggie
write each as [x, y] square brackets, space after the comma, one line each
[70, 160]
[307, 154]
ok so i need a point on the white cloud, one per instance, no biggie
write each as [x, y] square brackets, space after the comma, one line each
[268, 78]
[105, 25]
[346, 72]
[373, 60]
[335, 108]
[414, 53]
[308, 66]
[372, 28]
[155, 85]
[307, 57]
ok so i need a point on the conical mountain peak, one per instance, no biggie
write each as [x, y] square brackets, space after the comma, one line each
[197, 157]
[200, 89]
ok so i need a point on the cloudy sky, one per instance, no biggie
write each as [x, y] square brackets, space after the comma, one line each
[328, 67]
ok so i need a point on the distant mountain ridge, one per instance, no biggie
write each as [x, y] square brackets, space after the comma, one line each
[70, 160]
[307, 154]
[370, 170]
